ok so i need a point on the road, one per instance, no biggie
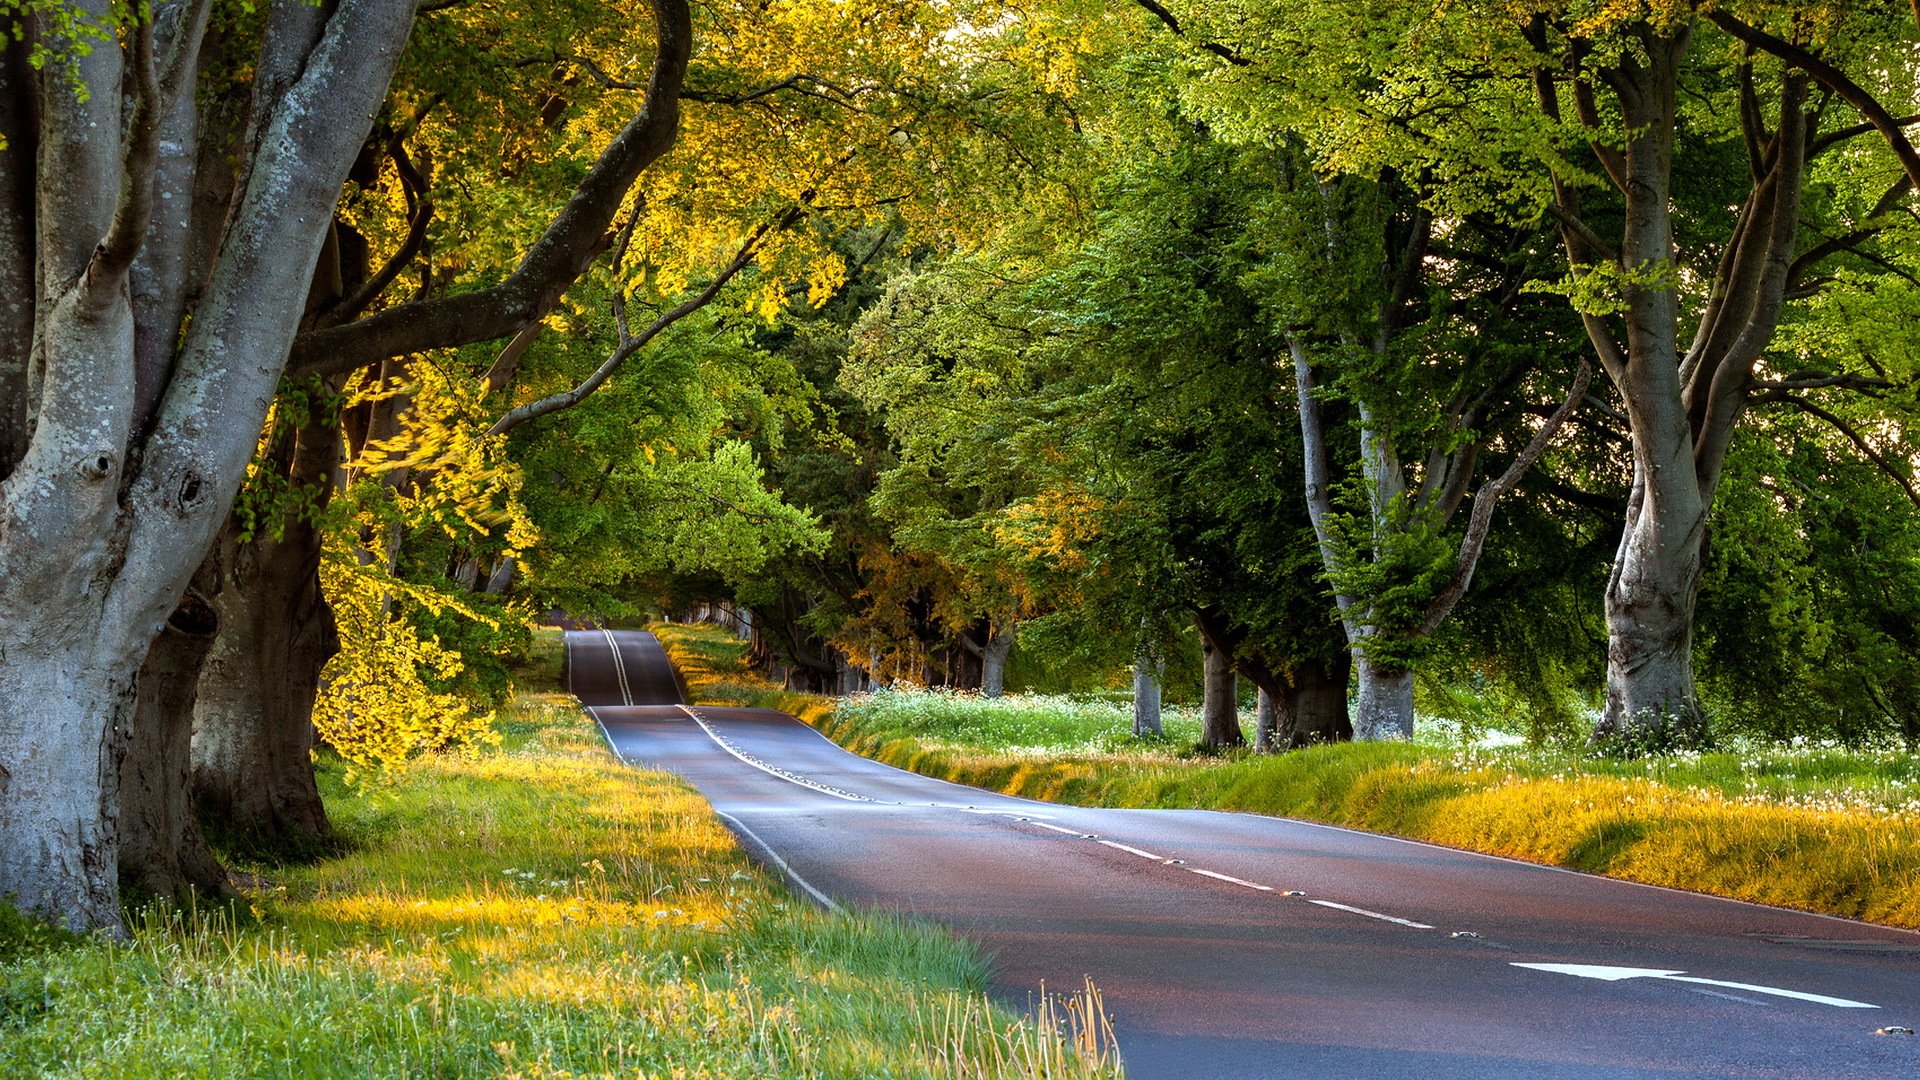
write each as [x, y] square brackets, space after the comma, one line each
[1238, 945]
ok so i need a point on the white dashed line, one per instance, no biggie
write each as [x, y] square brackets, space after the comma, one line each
[1226, 878]
[626, 694]
[1371, 914]
[1058, 829]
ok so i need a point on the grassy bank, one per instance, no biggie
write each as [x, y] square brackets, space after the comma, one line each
[1819, 829]
[537, 911]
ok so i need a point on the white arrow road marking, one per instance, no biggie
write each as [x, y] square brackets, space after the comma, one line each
[1618, 974]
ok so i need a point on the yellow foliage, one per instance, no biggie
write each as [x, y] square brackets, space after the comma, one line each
[376, 707]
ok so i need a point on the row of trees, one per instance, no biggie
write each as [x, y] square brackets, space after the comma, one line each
[913, 327]
[1368, 316]
[300, 295]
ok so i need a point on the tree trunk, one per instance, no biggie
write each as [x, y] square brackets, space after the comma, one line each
[1308, 703]
[64, 706]
[993, 662]
[1220, 707]
[1318, 708]
[1384, 711]
[162, 852]
[1650, 607]
[1146, 697]
[253, 723]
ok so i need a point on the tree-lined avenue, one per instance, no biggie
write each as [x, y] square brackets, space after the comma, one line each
[1240, 945]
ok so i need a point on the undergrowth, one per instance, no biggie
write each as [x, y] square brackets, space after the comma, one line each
[1819, 828]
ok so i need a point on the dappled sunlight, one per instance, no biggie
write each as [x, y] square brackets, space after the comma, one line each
[540, 911]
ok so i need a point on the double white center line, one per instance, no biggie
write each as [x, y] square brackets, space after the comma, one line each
[619, 668]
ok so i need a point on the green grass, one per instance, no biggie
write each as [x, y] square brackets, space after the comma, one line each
[1818, 828]
[535, 911]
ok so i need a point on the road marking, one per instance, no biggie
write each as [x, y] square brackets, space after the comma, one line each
[1056, 828]
[1223, 877]
[1729, 997]
[619, 667]
[626, 694]
[771, 770]
[1131, 850]
[608, 735]
[792, 875]
[1371, 914]
[1619, 974]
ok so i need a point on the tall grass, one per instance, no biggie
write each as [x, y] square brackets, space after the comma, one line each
[1819, 828]
[538, 912]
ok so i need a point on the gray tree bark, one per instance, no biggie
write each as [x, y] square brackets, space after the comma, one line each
[1266, 723]
[1146, 696]
[253, 720]
[993, 661]
[106, 513]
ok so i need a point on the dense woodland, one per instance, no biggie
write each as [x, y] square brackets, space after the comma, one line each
[1556, 359]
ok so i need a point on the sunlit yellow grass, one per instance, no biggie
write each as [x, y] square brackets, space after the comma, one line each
[537, 911]
[1831, 857]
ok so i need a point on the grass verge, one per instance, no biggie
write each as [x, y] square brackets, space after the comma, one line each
[532, 912]
[1816, 829]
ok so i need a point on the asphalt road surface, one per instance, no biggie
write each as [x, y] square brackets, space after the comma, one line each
[1237, 945]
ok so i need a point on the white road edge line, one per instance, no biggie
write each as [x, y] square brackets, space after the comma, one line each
[1371, 914]
[724, 744]
[774, 857]
[1234, 880]
[791, 778]
[1131, 850]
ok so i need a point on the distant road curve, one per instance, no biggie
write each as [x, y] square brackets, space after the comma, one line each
[1236, 945]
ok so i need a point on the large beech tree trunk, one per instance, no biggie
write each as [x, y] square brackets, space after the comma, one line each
[253, 734]
[162, 852]
[1305, 707]
[1220, 704]
[141, 421]
[993, 661]
[1650, 607]
[1384, 706]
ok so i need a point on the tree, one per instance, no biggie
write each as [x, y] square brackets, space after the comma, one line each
[137, 423]
[1641, 114]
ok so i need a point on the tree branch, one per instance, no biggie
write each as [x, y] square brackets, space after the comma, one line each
[139, 157]
[562, 253]
[1222, 51]
[1483, 503]
[567, 399]
[421, 194]
[1831, 78]
[1858, 440]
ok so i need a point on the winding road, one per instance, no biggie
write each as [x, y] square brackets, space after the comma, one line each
[1238, 945]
